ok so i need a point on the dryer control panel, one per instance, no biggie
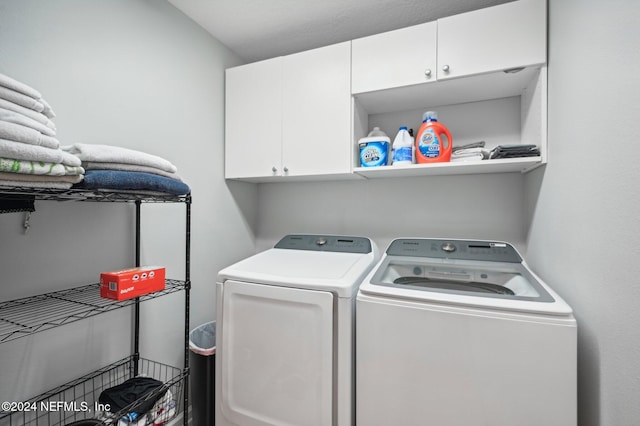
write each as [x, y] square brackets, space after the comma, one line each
[488, 251]
[331, 243]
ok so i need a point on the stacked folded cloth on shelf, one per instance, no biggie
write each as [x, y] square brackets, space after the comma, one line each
[514, 151]
[470, 152]
[30, 155]
[476, 151]
[116, 168]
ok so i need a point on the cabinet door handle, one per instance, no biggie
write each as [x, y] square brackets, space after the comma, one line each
[285, 169]
[274, 169]
[445, 68]
[427, 73]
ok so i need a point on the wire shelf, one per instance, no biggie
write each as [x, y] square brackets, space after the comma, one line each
[78, 399]
[29, 315]
[26, 316]
[92, 195]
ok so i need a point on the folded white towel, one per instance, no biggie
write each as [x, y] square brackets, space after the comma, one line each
[48, 111]
[18, 86]
[69, 159]
[20, 99]
[116, 154]
[90, 165]
[469, 154]
[23, 120]
[21, 177]
[39, 168]
[45, 185]
[23, 89]
[467, 157]
[24, 151]
[18, 133]
[39, 117]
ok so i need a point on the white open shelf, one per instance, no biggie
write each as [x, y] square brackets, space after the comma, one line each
[498, 108]
[505, 165]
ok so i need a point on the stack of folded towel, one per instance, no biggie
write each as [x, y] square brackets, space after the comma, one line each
[116, 168]
[514, 151]
[470, 152]
[30, 155]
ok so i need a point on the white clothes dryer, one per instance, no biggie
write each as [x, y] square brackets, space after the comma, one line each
[285, 324]
[458, 333]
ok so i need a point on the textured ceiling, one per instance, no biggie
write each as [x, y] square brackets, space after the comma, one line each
[260, 29]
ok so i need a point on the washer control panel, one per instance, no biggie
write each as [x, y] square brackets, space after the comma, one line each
[331, 243]
[490, 251]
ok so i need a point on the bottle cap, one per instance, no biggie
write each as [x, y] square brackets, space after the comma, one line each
[377, 132]
[403, 128]
[430, 115]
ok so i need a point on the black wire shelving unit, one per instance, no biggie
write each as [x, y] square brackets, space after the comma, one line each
[29, 315]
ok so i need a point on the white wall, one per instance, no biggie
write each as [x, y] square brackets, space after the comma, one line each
[584, 233]
[486, 206]
[138, 74]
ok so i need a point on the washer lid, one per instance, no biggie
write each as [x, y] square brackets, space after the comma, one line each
[327, 268]
[463, 273]
[473, 278]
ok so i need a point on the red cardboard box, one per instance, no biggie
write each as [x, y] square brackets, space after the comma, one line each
[132, 282]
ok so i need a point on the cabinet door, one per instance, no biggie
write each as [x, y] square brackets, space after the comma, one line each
[496, 38]
[316, 111]
[394, 59]
[253, 119]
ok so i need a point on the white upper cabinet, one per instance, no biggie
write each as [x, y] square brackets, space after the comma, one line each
[290, 116]
[493, 39]
[503, 37]
[394, 59]
[300, 116]
[253, 119]
[316, 111]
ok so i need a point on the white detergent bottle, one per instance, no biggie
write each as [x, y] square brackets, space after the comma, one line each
[402, 148]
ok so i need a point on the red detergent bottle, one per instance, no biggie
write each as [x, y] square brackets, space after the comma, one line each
[434, 142]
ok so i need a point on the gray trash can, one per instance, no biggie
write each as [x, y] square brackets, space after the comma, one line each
[202, 356]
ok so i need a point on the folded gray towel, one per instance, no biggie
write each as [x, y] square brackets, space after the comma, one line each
[23, 120]
[18, 133]
[116, 154]
[514, 151]
[46, 185]
[21, 177]
[479, 144]
[24, 151]
[18, 86]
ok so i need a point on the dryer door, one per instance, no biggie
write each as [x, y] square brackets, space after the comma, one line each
[276, 351]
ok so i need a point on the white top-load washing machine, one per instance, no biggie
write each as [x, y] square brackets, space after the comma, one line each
[459, 333]
[284, 350]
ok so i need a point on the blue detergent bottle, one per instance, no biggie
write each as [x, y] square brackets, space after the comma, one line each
[374, 149]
